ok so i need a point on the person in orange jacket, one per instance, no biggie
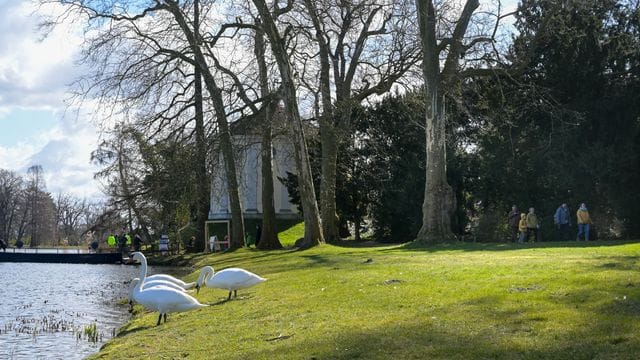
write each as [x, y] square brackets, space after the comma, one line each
[522, 227]
[584, 222]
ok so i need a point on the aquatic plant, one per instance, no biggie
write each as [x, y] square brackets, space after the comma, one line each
[91, 332]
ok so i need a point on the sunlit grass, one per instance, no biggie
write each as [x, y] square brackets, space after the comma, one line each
[290, 235]
[458, 301]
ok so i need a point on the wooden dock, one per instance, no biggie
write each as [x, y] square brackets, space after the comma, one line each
[69, 256]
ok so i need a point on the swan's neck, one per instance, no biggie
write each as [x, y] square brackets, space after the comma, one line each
[135, 290]
[202, 277]
[208, 270]
[143, 269]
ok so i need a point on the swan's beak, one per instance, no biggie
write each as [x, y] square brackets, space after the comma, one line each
[197, 288]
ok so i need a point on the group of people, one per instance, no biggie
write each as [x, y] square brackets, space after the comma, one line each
[524, 226]
[124, 241]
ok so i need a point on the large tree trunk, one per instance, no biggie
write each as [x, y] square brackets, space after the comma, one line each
[202, 180]
[329, 142]
[226, 146]
[438, 201]
[269, 234]
[328, 136]
[313, 232]
[437, 207]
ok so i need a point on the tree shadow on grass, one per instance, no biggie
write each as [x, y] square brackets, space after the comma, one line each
[361, 244]
[430, 339]
[619, 263]
[466, 246]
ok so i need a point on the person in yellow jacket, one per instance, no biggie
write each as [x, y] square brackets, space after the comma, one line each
[584, 222]
[111, 241]
[532, 224]
[522, 227]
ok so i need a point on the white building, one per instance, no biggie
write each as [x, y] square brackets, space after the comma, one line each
[249, 165]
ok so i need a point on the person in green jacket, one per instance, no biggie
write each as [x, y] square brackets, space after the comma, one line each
[532, 224]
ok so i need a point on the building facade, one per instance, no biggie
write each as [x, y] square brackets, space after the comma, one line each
[249, 165]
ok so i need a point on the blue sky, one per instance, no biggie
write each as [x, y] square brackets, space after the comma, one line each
[36, 127]
[21, 124]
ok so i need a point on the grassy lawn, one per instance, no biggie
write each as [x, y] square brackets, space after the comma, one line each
[456, 301]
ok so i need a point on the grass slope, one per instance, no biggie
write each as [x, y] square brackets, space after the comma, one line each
[457, 301]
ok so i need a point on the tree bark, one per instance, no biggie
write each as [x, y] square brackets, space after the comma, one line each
[328, 134]
[226, 146]
[313, 232]
[269, 234]
[202, 180]
[438, 205]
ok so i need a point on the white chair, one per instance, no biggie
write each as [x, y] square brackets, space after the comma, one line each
[215, 243]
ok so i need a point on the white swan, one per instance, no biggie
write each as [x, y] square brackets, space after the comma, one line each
[153, 283]
[232, 279]
[150, 284]
[163, 299]
[143, 272]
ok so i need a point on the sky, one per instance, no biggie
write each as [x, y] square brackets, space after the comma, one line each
[36, 126]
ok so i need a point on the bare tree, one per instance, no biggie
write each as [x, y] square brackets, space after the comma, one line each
[11, 191]
[313, 232]
[269, 235]
[36, 184]
[69, 211]
[202, 180]
[442, 74]
[151, 69]
[364, 47]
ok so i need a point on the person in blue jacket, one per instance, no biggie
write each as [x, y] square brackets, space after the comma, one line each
[562, 220]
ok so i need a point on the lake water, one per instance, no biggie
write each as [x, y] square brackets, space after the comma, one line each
[47, 311]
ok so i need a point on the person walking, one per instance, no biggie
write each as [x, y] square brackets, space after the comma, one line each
[532, 224]
[522, 227]
[137, 242]
[562, 220]
[584, 222]
[513, 219]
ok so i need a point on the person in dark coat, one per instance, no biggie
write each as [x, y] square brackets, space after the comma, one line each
[513, 219]
[258, 234]
[137, 242]
[122, 241]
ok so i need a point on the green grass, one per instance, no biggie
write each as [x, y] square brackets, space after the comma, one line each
[289, 236]
[447, 301]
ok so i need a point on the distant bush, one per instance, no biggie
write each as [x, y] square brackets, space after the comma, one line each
[491, 226]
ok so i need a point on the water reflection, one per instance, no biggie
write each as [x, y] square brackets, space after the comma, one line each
[49, 310]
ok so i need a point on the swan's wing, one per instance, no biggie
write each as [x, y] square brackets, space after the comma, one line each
[234, 279]
[154, 283]
[165, 299]
[166, 277]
